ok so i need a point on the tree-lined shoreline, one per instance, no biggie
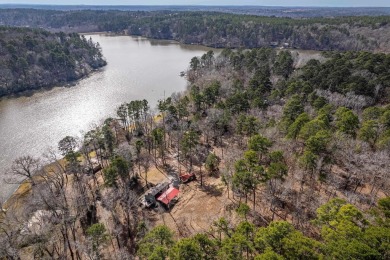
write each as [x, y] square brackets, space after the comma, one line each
[218, 30]
[33, 59]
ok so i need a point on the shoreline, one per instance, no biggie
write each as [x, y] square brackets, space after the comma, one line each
[24, 187]
[14, 196]
[277, 48]
[22, 190]
[68, 84]
[29, 93]
[110, 33]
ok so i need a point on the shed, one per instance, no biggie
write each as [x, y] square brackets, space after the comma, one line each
[187, 177]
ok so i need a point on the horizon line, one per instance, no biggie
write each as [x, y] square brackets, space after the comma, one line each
[196, 5]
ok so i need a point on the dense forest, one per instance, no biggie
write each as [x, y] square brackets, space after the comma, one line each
[291, 162]
[217, 29]
[274, 11]
[34, 58]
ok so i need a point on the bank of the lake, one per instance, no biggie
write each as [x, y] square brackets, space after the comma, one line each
[138, 68]
[35, 58]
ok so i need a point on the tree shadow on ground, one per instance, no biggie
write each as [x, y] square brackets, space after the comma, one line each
[212, 189]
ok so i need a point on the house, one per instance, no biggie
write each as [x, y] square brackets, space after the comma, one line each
[149, 197]
[168, 197]
[164, 192]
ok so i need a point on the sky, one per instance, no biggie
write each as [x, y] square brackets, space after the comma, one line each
[330, 3]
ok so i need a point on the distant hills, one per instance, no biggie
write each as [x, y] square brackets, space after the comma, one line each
[293, 12]
[217, 29]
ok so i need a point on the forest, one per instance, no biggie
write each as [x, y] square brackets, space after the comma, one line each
[35, 58]
[291, 162]
[215, 29]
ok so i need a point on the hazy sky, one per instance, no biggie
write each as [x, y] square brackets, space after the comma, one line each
[353, 3]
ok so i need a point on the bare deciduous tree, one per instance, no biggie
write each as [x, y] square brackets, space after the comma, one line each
[23, 168]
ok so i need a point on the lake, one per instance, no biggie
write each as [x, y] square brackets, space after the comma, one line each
[138, 68]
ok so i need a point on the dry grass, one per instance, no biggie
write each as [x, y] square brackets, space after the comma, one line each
[17, 199]
[154, 176]
[197, 208]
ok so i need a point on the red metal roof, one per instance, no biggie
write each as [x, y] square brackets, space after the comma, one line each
[168, 195]
[185, 177]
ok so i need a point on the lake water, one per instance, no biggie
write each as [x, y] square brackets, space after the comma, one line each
[138, 68]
